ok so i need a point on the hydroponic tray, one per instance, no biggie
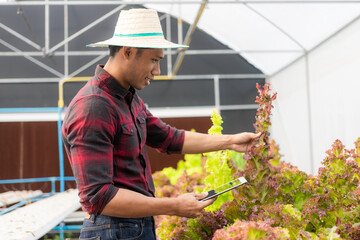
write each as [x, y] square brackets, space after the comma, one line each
[11, 197]
[36, 219]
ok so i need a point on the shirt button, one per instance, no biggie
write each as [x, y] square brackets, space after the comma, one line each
[132, 130]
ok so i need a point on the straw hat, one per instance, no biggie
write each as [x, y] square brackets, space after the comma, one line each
[138, 28]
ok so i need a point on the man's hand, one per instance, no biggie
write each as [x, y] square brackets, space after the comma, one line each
[243, 142]
[200, 143]
[130, 204]
[190, 206]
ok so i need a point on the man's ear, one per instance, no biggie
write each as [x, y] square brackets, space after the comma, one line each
[127, 52]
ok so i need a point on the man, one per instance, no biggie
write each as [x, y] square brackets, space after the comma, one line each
[107, 126]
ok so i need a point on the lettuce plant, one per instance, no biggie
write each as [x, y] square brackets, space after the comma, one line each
[280, 201]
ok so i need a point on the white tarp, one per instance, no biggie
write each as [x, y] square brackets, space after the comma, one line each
[319, 99]
[334, 97]
[269, 35]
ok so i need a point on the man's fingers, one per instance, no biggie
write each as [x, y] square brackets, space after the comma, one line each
[200, 196]
[204, 195]
[191, 206]
[259, 134]
[209, 201]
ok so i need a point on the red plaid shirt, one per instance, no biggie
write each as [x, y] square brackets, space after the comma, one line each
[105, 131]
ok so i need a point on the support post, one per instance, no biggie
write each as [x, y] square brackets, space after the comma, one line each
[47, 27]
[66, 46]
[308, 98]
[217, 94]
[168, 51]
[188, 38]
[61, 152]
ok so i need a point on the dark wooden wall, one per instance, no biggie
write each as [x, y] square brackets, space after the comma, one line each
[30, 150]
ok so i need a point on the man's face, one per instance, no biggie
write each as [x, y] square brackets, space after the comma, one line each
[143, 66]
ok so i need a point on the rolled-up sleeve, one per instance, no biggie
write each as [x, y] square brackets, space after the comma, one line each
[161, 136]
[88, 131]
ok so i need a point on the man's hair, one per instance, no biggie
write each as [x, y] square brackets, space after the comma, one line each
[114, 50]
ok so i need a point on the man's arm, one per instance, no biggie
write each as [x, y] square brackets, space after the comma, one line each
[200, 143]
[130, 204]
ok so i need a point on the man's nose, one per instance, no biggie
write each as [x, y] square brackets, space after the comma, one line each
[156, 70]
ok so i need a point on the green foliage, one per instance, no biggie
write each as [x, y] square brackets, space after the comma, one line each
[251, 231]
[171, 227]
[219, 166]
[192, 164]
[238, 160]
[280, 201]
[216, 128]
[204, 227]
[174, 174]
[335, 196]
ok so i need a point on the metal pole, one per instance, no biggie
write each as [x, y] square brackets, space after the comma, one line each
[61, 152]
[37, 62]
[188, 38]
[277, 27]
[20, 36]
[29, 80]
[318, 45]
[79, 70]
[53, 187]
[116, 2]
[239, 107]
[66, 47]
[180, 28]
[177, 77]
[172, 52]
[168, 36]
[78, 33]
[47, 30]
[217, 94]
[308, 98]
[61, 231]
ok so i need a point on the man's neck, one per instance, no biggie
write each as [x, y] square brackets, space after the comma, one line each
[112, 67]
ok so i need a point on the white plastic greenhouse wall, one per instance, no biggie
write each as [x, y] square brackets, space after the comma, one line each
[318, 96]
[334, 94]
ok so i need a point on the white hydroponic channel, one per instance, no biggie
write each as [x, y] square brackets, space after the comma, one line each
[36, 219]
[11, 197]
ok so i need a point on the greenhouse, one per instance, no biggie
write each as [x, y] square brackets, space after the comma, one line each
[253, 104]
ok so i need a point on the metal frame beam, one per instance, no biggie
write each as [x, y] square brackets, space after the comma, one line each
[188, 38]
[47, 51]
[177, 77]
[114, 2]
[66, 35]
[84, 29]
[172, 52]
[37, 62]
[88, 64]
[20, 36]
[318, 45]
[168, 51]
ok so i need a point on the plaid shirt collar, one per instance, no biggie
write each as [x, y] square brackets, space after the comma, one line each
[112, 86]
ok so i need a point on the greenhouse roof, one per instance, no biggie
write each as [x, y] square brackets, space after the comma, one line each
[269, 34]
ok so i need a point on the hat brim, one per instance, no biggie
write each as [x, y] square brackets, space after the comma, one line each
[138, 42]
